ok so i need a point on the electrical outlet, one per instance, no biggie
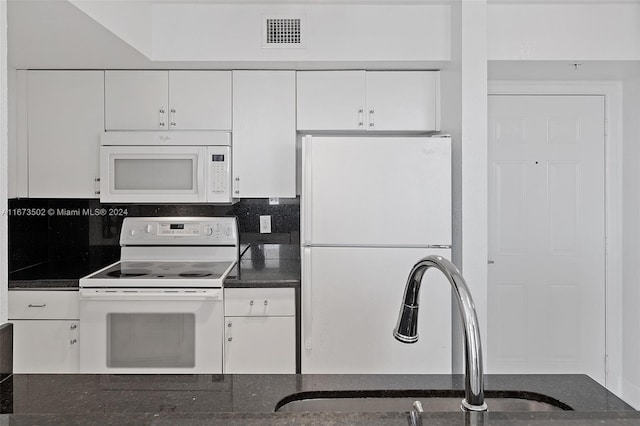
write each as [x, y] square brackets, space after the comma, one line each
[265, 224]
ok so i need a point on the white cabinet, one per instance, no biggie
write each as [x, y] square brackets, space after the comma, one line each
[264, 134]
[165, 100]
[331, 100]
[45, 346]
[368, 100]
[46, 331]
[260, 331]
[65, 117]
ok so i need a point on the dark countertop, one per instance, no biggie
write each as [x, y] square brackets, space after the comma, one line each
[266, 265]
[261, 265]
[251, 399]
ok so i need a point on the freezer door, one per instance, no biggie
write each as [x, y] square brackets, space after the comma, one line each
[351, 298]
[376, 191]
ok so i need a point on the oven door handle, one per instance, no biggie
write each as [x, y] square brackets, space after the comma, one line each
[123, 295]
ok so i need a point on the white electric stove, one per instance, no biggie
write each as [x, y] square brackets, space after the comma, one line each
[160, 308]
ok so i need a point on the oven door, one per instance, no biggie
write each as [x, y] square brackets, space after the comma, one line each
[153, 174]
[151, 331]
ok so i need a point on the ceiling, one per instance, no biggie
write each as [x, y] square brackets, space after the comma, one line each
[54, 34]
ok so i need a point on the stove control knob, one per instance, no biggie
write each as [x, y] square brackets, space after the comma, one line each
[208, 231]
[148, 229]
[132, 232]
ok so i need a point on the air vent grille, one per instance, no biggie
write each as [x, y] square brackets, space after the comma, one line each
[283, 32]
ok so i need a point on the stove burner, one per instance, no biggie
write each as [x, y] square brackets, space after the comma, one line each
[195, 274]
[129, 273]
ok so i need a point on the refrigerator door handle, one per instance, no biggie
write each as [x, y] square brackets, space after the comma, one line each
[307, 194]
[307, 302]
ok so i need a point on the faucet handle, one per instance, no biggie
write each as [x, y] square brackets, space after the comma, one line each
[416, 414]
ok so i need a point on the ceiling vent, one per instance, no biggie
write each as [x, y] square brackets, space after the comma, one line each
[283, 32]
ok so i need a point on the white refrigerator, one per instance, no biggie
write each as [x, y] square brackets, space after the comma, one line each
[371, 207]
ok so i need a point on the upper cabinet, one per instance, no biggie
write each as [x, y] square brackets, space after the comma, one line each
[264, 134]
[369, 100]
[64, 120]
[165, 100]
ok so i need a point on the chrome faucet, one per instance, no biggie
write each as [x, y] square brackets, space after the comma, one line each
[406, 330]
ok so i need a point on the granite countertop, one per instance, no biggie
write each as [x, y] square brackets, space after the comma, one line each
[261, 265]
[266, 265]
[252, 399]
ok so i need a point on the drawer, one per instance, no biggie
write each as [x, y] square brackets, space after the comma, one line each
[242, 302]
[43, 305]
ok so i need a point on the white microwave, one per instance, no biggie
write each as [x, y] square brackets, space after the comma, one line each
[165, 167]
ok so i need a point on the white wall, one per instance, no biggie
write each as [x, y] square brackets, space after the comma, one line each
[563, 31]
[129, 20]
[4, 251]
[631, 244]
[474, 154]
[361, 32]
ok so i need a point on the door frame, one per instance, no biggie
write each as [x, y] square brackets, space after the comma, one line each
[612, 92]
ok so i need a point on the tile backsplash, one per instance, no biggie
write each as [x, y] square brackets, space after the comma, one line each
[63, 230]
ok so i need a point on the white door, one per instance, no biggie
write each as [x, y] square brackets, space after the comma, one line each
[352, 187]
[351, 298]
[136, 100]
[260, 345]
[546, 235]
[45, 346]
[264, 134]
[65, 120]
[331, 100]
[200, 100]
[402, 100]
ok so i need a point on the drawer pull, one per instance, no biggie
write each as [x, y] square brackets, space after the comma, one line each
[31, 305]
[251, 303]
[73, 341]
[73, 326]
[229, 338]
[266, 303]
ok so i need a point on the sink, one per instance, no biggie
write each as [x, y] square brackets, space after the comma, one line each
[432, 401]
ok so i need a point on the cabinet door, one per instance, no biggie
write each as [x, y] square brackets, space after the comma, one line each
[47, 346]
[264, 134]
[260, 345]
[65, 117]
[402, 100]
[331, 100]
[136, 100]
[200, 100]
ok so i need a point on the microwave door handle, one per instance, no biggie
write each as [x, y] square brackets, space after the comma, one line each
[204, 164]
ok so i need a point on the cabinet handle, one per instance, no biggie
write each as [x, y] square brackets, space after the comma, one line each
[73, 341]
[229, 324]
[371, 117]
[31, 305]
[229, 338]
[251, 303]
[161, 118]
[236, 185]
[73, 326]
[172, 117]
[361, 117]
[96, 184]
[266, 303]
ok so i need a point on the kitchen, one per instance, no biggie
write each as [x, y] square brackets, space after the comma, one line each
[451, 42]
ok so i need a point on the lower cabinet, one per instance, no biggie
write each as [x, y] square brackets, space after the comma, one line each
[45, 331]
[49, 346]
[260, 331]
